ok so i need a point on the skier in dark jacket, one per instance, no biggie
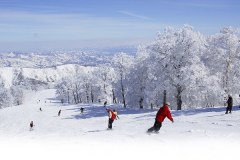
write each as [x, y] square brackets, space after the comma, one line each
[59, 112]
[229, 104]
[81, 109]
[31, 125]
[162, 113]
[112, 114]
[105, 103]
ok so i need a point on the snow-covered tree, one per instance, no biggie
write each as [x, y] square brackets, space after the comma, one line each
[176, 60]
[105, 76]
[137, 79]
[223, 58]
[5, 95]
[62, 89]
[18, 78]
[17, 93]
[122, 63]
[82, 86]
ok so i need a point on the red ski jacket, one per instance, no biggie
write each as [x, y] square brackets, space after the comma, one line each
[163, 113]
[112, 115]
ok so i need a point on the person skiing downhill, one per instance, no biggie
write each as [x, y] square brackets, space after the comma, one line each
[105, 103]
[59, 112]
[229, 104]
[81, 109]
[162, 113]
[31, 125]
[112, 114]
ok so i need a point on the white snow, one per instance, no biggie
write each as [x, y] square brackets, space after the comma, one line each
[195, 134]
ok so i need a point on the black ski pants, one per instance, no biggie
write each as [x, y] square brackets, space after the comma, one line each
[229, 108]
[156, 127]
[110, 122]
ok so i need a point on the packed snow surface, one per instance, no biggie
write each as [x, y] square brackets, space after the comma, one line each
[195, 134]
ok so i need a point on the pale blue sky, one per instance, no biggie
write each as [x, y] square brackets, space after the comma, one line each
[64, 24]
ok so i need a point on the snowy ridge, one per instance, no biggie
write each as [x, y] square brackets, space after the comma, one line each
[51, 74]
[196, 134]
[56, 58]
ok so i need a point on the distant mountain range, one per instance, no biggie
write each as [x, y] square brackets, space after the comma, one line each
[85, 57]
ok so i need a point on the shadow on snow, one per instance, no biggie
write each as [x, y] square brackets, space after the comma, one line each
[203, 110]
[91, 111]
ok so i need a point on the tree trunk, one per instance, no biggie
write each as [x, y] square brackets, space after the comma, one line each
[68, 97]
[92, 96]
[77, 96]
[104, 85]
[226, 78]
[87, 95]
[87, 98]
[164, 97]
[114, 97]
[141, 103]
[104, 88]
[74, 96]
[123, 93]
[179, 97]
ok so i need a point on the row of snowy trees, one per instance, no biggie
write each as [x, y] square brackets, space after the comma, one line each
[14, 94]
[195, 70]
[91, 86]
[10, 96]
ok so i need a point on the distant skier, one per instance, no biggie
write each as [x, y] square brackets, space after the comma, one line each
[162, 113]
[40, 109]
[59, 112]
[229, 104]
[112, 114]
[31, 125]
[81, 109]
[105, 103]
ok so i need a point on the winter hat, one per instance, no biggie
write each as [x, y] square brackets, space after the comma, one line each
[168, 103]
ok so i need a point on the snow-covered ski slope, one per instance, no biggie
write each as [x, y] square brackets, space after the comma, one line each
[196, 134]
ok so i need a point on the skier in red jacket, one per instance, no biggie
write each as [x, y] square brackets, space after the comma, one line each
[112, 114]
[162, 113]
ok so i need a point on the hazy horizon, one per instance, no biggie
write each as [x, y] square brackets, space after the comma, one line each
[27, 25]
